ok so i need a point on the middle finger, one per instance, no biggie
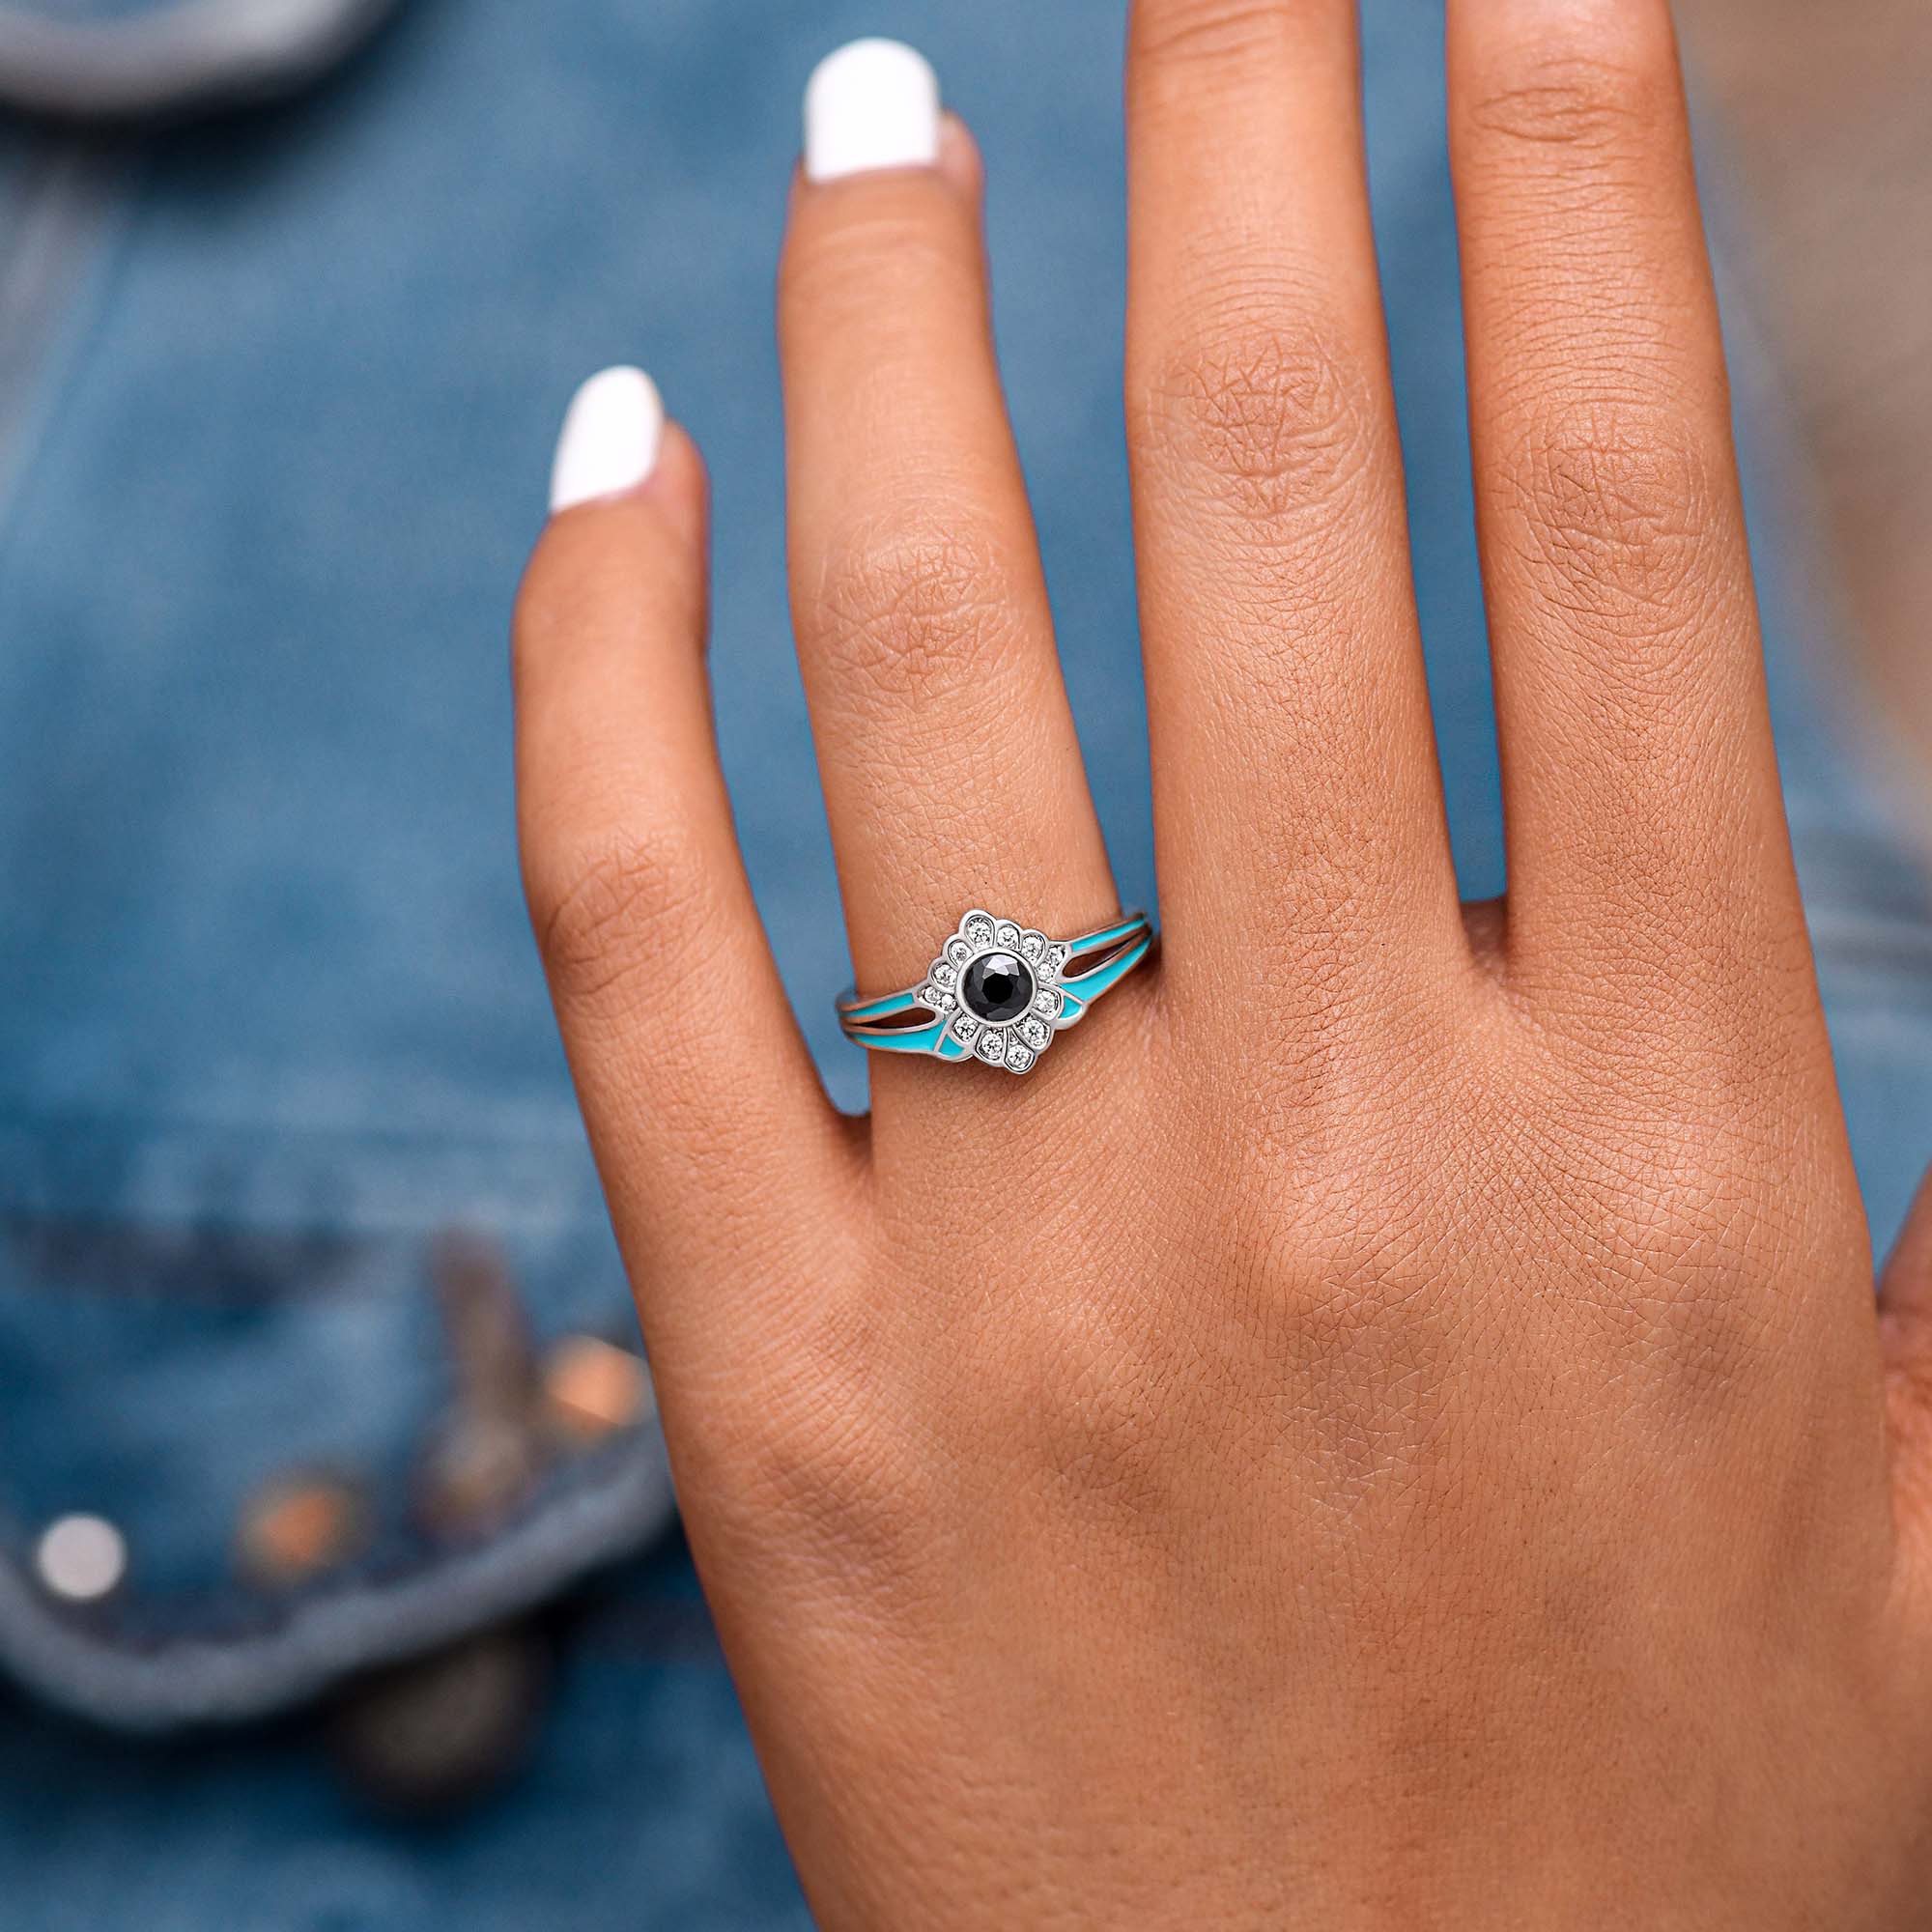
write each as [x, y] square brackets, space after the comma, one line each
[1298, 809]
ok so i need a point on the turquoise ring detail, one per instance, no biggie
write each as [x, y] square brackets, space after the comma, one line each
[999, 992]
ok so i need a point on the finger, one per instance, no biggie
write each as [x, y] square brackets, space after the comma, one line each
[952, 775]
[1905, 1300]
[708, 1121]
[1297, 802]
[1645, 825]
[1906, 1306]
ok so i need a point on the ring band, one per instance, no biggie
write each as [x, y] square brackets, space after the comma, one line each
[999, 991]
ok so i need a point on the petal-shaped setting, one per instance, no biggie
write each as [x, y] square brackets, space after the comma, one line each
[997, 992]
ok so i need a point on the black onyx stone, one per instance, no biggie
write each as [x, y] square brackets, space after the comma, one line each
[998, 986]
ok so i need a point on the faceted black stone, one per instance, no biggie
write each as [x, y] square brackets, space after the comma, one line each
[997, 986]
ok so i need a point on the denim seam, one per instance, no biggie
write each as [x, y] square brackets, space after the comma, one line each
[126, 1685]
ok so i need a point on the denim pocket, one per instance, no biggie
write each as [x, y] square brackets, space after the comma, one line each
[299, 1455]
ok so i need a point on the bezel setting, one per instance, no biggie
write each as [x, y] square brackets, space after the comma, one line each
[1016, 1043]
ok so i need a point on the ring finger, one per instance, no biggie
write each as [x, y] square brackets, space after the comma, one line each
[953, 777]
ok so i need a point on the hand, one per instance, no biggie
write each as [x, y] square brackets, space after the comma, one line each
[1389, 1425]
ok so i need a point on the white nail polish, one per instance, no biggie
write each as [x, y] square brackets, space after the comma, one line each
[611, 434]
[873, 104]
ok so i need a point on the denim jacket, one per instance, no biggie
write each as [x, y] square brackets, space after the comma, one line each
[339, 1580]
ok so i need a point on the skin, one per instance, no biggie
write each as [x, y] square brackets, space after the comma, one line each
[1426, 1450]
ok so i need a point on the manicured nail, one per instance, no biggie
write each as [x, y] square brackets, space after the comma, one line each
[611, 434]
[873, 104]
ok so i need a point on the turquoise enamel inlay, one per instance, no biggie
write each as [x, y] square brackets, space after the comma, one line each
[1093, 984]
[1093, 941]
[915, 1040]
[883, 1009]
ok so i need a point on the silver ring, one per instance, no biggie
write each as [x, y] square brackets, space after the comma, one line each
[999, 991]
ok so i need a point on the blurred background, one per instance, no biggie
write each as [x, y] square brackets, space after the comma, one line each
[1824, 111]
[340, 1584]
[1823, 115]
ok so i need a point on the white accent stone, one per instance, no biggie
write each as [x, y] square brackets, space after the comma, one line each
[1035, 1031]
[1019, 1059]
[992, 1044]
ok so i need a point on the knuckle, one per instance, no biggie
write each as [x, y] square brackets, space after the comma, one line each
[1217, 33]
[607, 907]
[1677, 1234]
[1092, 1412]
[1676, 1192]
[821, 1460]
[1571, 101]
[910, 613]
[1273, 417]
[860, 270]
[1382, 1342]
[1618, 506]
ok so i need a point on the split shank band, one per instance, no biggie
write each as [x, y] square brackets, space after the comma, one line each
[999, 991]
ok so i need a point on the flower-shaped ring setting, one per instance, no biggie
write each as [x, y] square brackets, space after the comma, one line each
[999, 992]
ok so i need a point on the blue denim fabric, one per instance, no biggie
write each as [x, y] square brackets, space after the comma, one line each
[272, 444]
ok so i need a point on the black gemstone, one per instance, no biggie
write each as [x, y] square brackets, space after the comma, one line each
[998, 986]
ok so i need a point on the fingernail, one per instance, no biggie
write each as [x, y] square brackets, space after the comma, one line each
[873, 104]
[611, 434]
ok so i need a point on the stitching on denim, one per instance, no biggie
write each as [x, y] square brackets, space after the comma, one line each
[597, 1516]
